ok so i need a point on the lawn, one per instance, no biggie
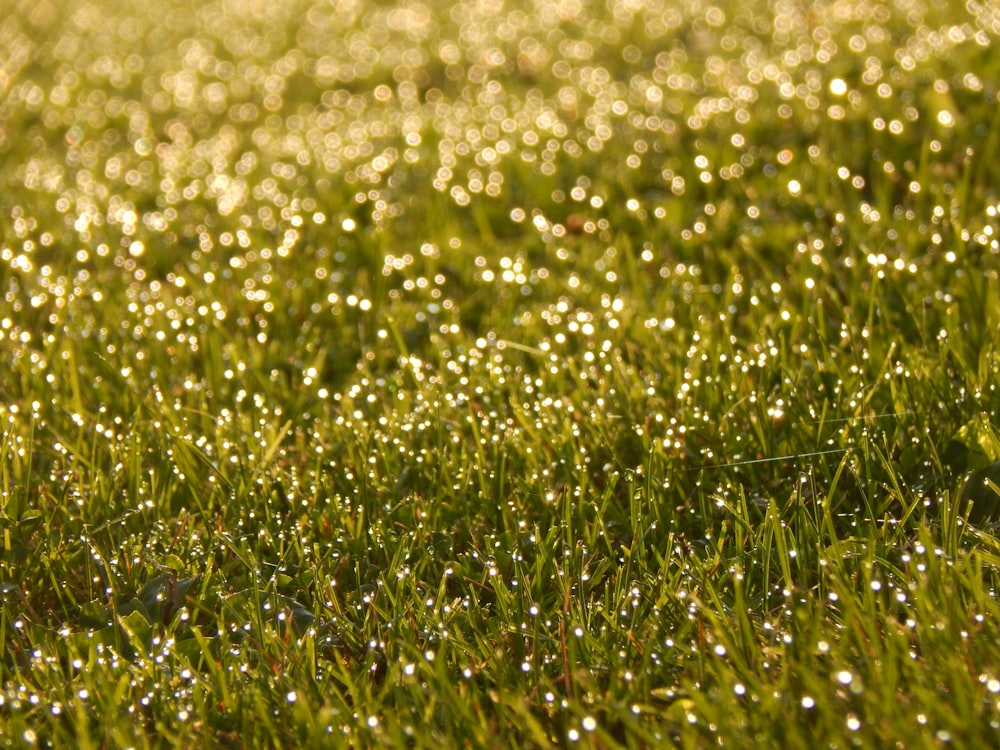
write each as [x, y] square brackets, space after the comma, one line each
[499, 374]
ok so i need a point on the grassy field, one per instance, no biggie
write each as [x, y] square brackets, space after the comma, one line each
[499, 374]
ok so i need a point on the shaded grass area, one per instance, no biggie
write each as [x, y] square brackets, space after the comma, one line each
[311, 436]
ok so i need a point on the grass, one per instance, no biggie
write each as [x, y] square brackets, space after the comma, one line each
[427, 375]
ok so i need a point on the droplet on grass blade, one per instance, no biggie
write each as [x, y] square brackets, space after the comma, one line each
[982, 491]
